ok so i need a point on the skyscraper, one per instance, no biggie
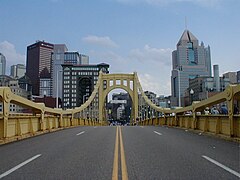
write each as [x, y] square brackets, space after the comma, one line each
[232, 76]
[18, 71]
[38, 62]
[57, 61]
[84, 59]
[79, 81]
[2, 64]
[189, 60]
[60, 56]
[238, 77]
[71, 58]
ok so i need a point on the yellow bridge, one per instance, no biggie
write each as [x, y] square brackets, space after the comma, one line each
[92, 112]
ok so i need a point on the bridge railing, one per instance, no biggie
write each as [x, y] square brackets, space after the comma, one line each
[228, 125]
[39, 118]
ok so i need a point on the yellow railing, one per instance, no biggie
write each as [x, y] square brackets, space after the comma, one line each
[41, 119]
[214, 124]
[228, 125]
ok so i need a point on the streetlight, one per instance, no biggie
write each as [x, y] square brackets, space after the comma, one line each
[191, 93]
[68, 104]
[84, 98]
[179, 96]
[57, 88]
[169, 102]
[179, 92]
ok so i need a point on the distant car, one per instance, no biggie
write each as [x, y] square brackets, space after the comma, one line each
[224, 110]
[188, 113]
[206, 111]
[214, 111]
[199, 113]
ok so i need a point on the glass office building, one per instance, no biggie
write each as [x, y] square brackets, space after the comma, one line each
[189, 60]
[38, 62]
[2, 64]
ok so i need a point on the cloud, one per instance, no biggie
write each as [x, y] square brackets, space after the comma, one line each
[100, 41]
[151, 54]
[152, 64]
[118, 63]
[150, 82]
[206, 3]
[147, 82]
[12, 56]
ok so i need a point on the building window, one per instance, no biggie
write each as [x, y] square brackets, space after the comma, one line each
[58, 56]
[44, 83]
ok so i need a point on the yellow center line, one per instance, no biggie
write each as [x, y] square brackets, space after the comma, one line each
[123, 160]
[115, 161]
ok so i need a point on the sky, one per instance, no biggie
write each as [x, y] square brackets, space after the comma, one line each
[130, 35]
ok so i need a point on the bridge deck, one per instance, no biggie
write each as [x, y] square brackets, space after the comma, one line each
[152, 152]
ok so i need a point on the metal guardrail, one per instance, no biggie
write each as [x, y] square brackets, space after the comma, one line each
[228, 125]
[214, 124]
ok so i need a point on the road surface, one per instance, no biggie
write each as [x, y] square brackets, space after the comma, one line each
[126, 152]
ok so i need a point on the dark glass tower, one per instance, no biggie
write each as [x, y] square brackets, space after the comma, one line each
[38, 62]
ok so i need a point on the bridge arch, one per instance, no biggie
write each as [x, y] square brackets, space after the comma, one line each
[113, 88]
[109, 82]
[125, 99]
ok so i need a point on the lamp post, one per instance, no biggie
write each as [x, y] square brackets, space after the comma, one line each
[68, 104]
[191, 93]
[169, 103]
[179, 95]
[84, 98]
[179, 92]
[57, 88]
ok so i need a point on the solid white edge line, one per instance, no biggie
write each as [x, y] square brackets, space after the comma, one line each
[222, 166]
[158, 133]
[80, 133]
[19, 166]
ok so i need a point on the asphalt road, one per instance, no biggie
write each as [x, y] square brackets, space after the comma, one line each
[138, 152]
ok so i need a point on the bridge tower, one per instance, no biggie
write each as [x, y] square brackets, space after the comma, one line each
[109, 82]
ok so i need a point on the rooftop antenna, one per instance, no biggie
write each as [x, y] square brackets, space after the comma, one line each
[185, 22]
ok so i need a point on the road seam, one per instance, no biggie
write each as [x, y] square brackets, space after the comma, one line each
[19, 166]
[221, 165]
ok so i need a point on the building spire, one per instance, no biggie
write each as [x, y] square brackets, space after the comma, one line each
[185, 22]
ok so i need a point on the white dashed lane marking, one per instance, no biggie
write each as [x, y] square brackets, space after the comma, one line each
[157, 133]
[19, 166]
[221, 165]
[80, 133]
